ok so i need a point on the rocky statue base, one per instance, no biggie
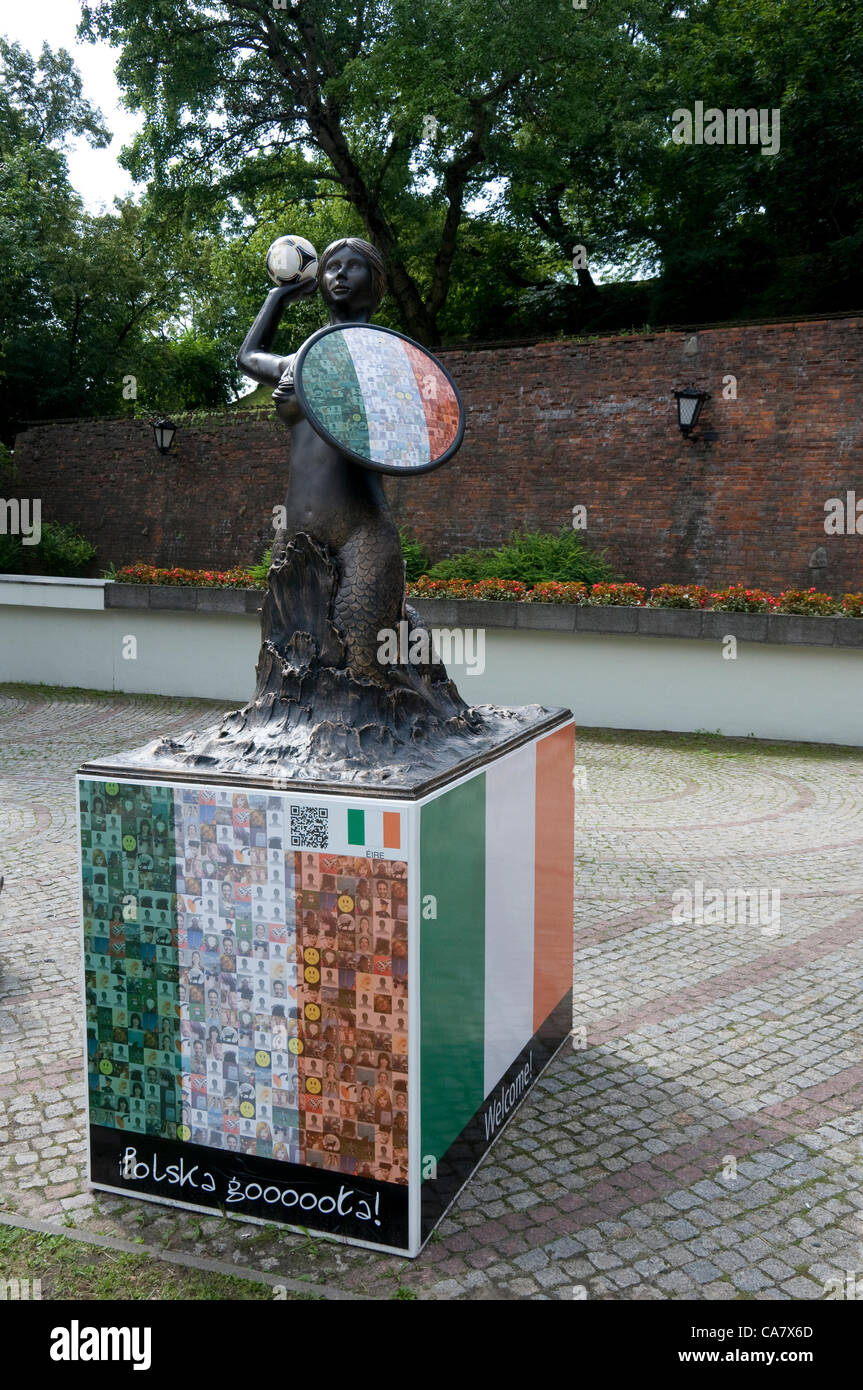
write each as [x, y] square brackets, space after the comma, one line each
[315, 721]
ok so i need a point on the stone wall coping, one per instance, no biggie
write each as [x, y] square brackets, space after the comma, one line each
[70, 583]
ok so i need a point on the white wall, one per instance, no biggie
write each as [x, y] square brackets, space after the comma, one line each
[44, 591]
[807, 693]
[770, 690]
[208, 655]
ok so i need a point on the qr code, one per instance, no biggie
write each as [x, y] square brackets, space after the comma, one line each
[309, 828]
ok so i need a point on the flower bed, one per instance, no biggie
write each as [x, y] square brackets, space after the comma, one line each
[734, 599]
[236, 578]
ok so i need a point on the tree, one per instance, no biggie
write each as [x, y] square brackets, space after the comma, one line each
[85, 301]
[727, 230]
[41, 107]
[580, 139]
[763, 234]
[405, 111]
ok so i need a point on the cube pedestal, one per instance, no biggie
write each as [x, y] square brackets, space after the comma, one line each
[321, 1007]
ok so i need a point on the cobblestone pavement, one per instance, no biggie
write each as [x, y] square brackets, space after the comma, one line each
[701, 1139]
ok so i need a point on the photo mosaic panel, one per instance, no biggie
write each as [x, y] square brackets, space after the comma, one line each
[242, 993]
[131, 957]
[353, 991]
[382, 397]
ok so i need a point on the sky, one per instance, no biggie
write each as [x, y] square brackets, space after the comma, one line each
[95, 174]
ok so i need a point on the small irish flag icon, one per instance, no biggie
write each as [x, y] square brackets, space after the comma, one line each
[374, 829]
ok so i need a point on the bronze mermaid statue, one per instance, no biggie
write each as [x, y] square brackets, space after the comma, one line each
[336, 502]
[328, 708]
[325, 702]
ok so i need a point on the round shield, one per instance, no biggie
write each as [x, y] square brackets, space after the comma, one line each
[379, 398]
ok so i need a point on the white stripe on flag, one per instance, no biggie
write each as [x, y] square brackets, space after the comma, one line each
[390, 420]
[510, 825]
[374, 825]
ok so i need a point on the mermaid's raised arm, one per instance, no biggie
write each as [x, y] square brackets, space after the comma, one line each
[254, 357]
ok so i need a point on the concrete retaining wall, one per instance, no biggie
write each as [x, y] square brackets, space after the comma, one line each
[781, 677]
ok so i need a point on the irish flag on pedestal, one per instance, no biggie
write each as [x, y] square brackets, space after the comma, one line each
[496, 937]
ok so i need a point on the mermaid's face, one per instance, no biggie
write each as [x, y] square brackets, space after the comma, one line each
[346, 284]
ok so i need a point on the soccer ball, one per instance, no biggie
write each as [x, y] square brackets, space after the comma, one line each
[291, 259]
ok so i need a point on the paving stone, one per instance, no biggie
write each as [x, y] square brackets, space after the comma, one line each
[677, 1283]
[702, 1271]
[749, 1280]
[532, 1261]
[680, 1230]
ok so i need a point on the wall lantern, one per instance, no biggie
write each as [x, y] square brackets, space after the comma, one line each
[163, 433]
[690, 403]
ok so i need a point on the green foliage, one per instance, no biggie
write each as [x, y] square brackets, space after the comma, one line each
[259, 572]
[11, 554]
[470, 564]
[415, 556]
[89, 304]
[530, 557]
[477, 146]
[8, 472]
[409, 122]
[62, 550]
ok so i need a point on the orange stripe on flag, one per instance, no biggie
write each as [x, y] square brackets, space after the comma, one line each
[440, 406]
[392, 830]
[553, 871]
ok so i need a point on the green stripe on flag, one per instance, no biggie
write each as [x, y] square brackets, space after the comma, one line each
[452, 962]
[334, 393]
[114, 1043]
[356, 827]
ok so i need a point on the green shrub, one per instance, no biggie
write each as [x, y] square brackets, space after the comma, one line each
[414, 555]
[530, 557]
[62, 550]
[11, 554]
[471, 564]
[259, 572]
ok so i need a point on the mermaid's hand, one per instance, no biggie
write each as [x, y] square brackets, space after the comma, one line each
[289, 293]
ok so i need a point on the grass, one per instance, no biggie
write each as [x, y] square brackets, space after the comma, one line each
[68, 1269]
[72, 693]
[719, 745]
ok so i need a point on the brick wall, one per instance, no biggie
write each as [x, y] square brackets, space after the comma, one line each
[550, 426]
